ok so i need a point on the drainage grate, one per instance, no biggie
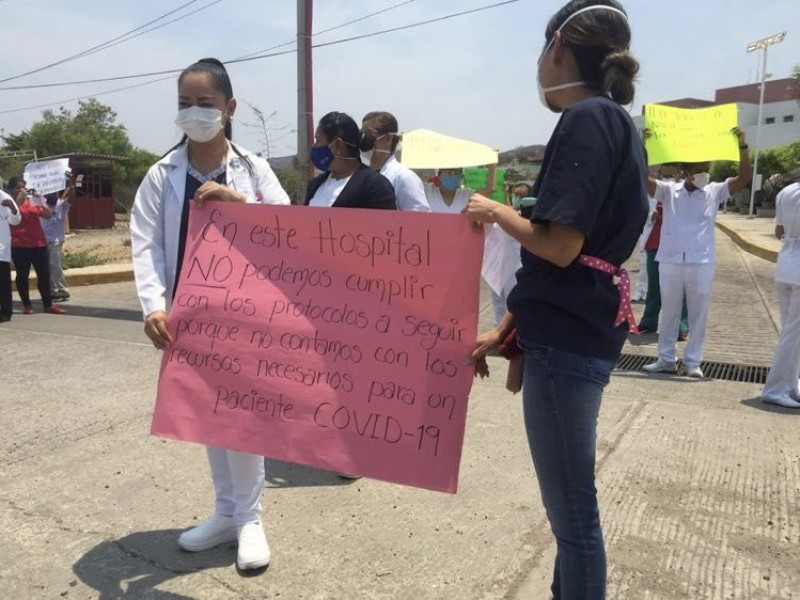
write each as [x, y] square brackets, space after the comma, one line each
[711, 369]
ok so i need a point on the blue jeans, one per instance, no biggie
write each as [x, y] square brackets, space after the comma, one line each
[561, 400]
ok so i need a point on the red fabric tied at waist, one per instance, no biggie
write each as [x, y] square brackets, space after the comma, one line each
[623, 283]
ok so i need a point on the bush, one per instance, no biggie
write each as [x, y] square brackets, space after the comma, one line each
[292, 181]
[83, 258]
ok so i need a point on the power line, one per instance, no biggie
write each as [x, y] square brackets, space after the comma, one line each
[252, 55]
[412, 25]
[159, 26]
[136, 76]
[246, 58]
[79, 98]
[108, 43]
[347, 24]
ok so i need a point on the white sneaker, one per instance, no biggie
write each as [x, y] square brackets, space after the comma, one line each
[694, 371]
[661, 366]
[216, 530]
[784, 401]
[253, 547]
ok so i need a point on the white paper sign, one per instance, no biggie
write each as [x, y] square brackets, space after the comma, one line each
[47, 176]
[501, 260]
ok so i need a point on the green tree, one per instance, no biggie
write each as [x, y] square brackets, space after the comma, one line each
[722, 169]
[779, 160]
[292, 181]
[92, 128]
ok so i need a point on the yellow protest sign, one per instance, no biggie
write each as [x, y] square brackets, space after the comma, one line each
[426, 149]
[690, 134]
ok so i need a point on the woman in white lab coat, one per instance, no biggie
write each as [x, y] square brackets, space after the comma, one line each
[782, 387]
[205, 165]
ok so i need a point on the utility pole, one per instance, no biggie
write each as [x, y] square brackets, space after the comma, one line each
[305, 91]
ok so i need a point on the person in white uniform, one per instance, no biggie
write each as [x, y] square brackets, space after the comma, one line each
[9, 216]
[205, 165]
[782, 387]
[686, 255]
[378, 144]
[447, 196]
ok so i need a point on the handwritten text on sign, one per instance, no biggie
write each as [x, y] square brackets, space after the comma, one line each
[691, 134]
[334, 338]
[47, 176]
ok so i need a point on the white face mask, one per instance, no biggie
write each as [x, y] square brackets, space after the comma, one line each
[200, 124]
[700, 180]
[553, 88]
[366, 156]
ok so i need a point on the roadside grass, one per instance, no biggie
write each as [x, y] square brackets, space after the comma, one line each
[87, 257]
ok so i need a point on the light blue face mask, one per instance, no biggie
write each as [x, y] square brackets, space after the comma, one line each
[450, 182]
[527, 201]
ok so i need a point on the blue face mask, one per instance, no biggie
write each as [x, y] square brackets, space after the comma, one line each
[321, 157]
[450, 182]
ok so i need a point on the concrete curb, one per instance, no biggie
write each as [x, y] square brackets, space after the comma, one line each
[90, 275]
[746, 243]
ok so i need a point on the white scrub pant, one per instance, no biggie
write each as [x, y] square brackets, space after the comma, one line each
[783, 375]
[641, 281]
[696, 281]
[238, 482]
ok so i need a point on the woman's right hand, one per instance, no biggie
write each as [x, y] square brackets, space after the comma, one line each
[155, 327]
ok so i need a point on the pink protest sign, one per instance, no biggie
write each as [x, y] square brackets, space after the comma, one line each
[334, 338]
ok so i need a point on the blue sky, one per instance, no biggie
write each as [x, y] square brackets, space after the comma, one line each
[472, 76]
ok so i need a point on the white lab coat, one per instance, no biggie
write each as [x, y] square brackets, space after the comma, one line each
[7, 219]
[156, 217]
[408, 187]
[155, 231]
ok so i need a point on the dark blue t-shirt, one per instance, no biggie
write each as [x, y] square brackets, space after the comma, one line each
[593, 179]
[192, 185]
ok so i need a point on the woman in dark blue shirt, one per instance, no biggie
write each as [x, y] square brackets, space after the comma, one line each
[569, 313]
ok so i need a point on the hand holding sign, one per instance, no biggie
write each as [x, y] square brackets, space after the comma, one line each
[690, 135]
[47, 176]
[334, 339]
[156, 328]
[211, 190]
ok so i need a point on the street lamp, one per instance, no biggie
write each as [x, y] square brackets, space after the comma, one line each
[752, 47]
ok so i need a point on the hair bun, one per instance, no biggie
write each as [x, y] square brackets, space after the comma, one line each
[619, 73]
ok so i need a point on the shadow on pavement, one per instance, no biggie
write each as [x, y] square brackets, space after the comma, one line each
[645, 339]
[133, 566]
[757, 403]
[96, 312]
[280, 474]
